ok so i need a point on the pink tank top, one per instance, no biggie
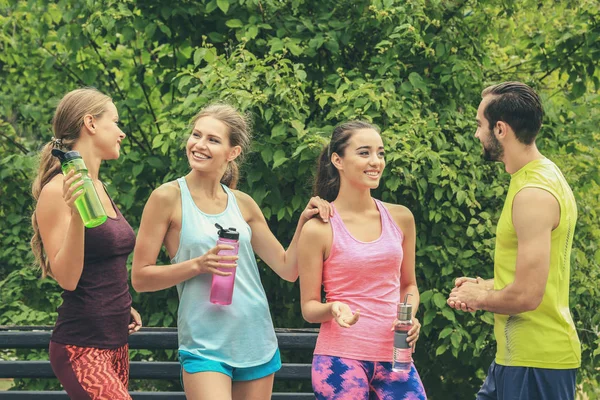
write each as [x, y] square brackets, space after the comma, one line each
[366, 276]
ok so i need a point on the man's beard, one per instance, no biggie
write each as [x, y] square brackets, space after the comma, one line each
[494, 151]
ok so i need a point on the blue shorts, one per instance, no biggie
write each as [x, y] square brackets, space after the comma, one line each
[527, 383]
[193, 363]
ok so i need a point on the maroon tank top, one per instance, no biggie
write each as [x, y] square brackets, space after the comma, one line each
[97, 312]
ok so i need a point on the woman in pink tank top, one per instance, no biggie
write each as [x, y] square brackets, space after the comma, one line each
[365, 261]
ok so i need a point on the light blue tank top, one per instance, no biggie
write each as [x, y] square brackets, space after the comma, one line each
[240, 334]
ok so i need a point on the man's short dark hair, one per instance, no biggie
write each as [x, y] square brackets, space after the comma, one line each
[516, 104]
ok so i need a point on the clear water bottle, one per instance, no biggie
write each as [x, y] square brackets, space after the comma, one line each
[221, 289]
[88, 204]
[402, 360]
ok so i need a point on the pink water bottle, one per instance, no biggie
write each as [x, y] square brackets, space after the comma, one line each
[221, 290]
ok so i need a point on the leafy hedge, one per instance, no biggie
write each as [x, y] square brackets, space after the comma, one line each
[416, 68]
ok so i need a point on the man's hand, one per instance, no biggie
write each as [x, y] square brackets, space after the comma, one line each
[468, 296]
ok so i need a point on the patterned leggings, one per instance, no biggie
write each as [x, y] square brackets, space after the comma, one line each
[343, 378]
[89, 373]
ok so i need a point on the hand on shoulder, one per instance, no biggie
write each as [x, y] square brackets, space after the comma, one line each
[316, 228]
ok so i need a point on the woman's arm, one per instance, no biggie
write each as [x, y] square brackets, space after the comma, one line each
[315, 238]
[61, 229]
[408, 280]
[146, 276]
[266, 245]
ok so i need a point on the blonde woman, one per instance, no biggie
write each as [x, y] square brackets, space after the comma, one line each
[226, 352]
[88, 347]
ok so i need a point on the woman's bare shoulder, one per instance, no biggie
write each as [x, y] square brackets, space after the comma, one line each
[401, 215]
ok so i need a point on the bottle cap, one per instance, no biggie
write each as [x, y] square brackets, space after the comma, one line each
[405, 310]
[227, 233]
[65, 157]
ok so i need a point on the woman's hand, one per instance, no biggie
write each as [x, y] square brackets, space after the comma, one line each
[211, 261]
[413, 333]
[135, 322]
[317, 206]
[72, 189]
[342, 314]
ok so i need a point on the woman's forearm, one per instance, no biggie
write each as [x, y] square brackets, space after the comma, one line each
[289, 271]
[316, 312]
[151, 278]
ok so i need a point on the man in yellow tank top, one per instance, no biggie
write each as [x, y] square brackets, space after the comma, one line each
[538, 350]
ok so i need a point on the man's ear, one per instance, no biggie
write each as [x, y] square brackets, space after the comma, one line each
[501, 129]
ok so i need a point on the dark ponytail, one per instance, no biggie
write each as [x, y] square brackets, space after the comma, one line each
[327, 181]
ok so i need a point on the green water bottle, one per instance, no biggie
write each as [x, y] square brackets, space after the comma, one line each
[88, 204]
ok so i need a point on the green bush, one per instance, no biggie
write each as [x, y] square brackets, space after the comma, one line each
[416, 68]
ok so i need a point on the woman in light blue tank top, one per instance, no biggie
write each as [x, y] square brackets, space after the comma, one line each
[226, 352]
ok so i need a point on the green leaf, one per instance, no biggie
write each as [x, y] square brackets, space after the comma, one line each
[280, 214]
[234, 23]
[429, 316]
[150, 29]
[445, 332]
[455, 339]
[301, 75]
[439, 300]
[299, 127]
[268, 114]
[211, 55]
[448, 314]
[211, 6]
[460, 197]
[441, 349]
[223, 5]
[488, 318]
[155, 162]
[426, 296]
[157, 141]
[252, 32]
[267, 155]
[184, 81]
[279, 158]
[278, 130]
[417, 82]
[199, 55]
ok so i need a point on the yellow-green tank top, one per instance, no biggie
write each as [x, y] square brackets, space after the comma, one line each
[545, 337]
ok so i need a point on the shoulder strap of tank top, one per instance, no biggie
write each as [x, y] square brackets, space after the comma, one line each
[115, 208]
[337, 225]
[232, 204]
[388, 222]
[186, 201]
[185, 191]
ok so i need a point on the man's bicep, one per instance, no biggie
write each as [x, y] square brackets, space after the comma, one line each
[534, 215]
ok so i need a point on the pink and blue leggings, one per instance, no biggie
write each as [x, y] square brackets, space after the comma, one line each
[343, 378]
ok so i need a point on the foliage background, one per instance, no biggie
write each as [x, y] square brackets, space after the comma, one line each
[416, 68]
